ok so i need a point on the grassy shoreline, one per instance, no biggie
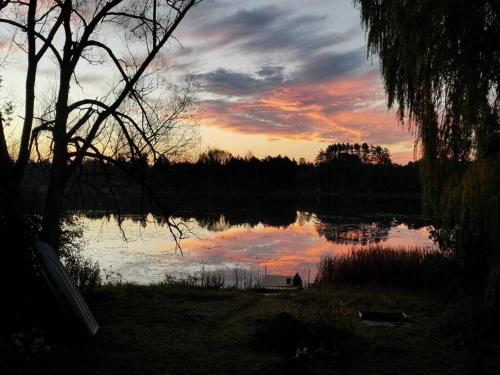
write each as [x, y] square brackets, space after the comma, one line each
[183, 330]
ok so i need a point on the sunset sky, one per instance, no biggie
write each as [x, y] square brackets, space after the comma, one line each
[286, 76]
[282, 77]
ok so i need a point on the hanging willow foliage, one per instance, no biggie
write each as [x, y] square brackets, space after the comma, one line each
[440, 61]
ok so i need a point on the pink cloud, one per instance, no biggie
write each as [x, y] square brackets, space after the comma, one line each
[350, 109]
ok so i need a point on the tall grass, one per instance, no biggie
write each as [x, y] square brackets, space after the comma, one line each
[245, 278]
[240, 278]
[212, 278]
[413, 267]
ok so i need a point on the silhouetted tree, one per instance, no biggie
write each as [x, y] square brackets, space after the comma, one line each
[440, 61]
[127, 120]
[214, 156]
[365, 153]
[353, 168]
[135, 119]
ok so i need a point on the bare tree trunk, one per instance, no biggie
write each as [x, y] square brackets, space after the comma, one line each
[54, 201]
[58, 172]
[29, 105]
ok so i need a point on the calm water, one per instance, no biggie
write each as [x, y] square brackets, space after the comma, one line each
[219, 241]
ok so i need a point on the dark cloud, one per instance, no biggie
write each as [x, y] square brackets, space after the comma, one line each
[268, 30]
[271, 71]
[329, 66]
[230, 83]
[243, 22]
[296, 35]
[321, 68]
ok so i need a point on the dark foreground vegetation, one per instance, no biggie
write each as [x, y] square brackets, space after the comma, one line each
[180, 328]
[185, 330]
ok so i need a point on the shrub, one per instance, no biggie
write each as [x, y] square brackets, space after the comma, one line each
[85, 272]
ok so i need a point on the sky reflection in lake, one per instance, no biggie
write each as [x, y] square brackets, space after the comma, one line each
[148, 254]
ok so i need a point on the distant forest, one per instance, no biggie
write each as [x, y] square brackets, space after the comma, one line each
[341, 168]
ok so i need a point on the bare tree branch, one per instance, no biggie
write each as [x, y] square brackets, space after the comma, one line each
[130, 119]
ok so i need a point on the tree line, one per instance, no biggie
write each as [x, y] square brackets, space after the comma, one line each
[339, 169]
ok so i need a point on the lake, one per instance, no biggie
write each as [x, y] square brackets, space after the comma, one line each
[270, 243]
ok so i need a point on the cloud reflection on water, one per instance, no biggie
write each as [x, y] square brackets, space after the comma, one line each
[148, 255]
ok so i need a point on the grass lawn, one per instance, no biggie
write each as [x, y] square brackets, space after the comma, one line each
[180, 330]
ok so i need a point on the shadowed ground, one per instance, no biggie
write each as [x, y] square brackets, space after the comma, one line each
[178, 330]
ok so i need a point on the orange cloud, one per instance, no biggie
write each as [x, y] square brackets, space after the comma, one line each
[291, 106]
[350, 109]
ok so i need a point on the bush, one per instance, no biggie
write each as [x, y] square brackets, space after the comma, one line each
[85, 273]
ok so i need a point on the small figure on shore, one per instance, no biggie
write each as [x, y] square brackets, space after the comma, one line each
[297, 281]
